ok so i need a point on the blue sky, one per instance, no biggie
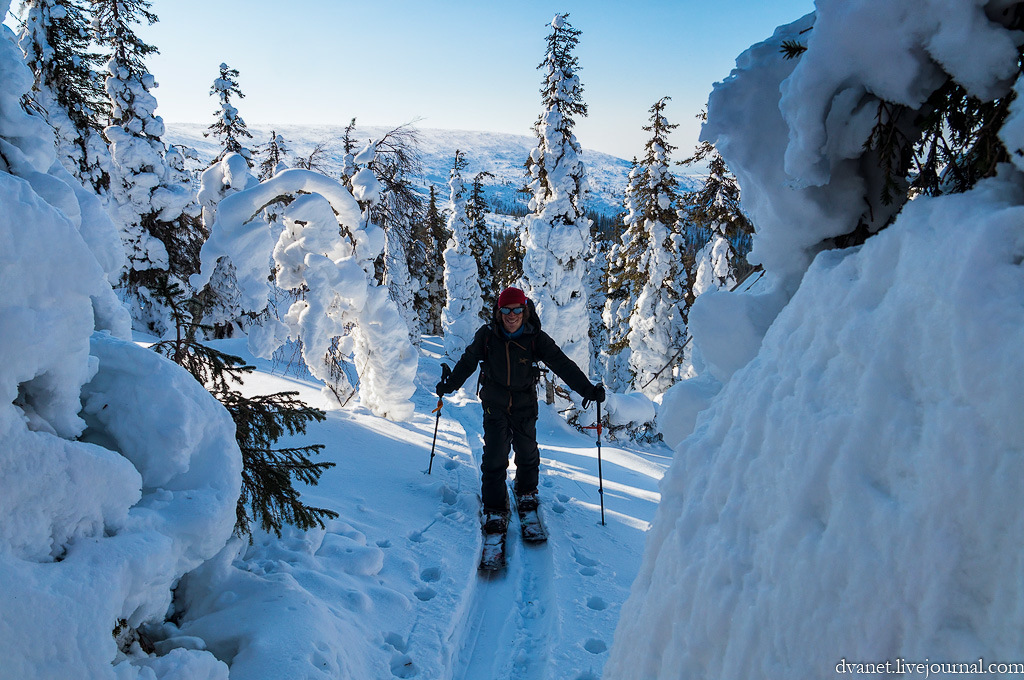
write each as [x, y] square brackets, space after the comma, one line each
[464, 64]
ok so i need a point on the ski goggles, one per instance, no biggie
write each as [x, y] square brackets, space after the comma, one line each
[511, 310]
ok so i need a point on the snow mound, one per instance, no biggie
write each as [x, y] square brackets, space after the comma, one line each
[850, 492]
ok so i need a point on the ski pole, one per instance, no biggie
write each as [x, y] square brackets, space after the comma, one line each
[600, 477]
[445, 372]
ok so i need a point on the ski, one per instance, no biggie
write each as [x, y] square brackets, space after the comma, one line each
[530, 525]
[492, 557]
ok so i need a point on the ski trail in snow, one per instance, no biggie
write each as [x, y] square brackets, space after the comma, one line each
[507, 629]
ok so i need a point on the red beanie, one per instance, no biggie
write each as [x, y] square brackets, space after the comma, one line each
[511, 297]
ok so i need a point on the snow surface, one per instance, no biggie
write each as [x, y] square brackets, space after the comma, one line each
[390, 588]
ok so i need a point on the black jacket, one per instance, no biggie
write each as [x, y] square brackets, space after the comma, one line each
[508, 371]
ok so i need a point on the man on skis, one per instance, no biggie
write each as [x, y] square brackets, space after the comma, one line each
[507, 350]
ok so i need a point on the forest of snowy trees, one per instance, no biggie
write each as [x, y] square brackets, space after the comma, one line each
[614, 290]
[825, 474]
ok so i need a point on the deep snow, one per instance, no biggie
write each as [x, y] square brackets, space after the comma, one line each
[391, 588]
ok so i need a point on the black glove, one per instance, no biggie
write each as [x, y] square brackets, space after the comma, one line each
[595, 393]
[443, 387]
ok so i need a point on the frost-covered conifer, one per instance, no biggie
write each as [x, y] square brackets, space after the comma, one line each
[596, 281]
[229, 127]
[395, 207]
[480, 244]
[321, 246]
[148, 204]
[461, 315]
[273, 155]
[434, 237]
[623, 284]
[714, 210]
[657, 325]
[67, 91]
[219, 299]
[556, 235]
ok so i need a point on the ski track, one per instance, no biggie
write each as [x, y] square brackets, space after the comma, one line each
[507, 632]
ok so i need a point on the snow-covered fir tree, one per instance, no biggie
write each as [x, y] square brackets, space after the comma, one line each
[713, 211]
[219, 300]
[67, 92]
[229, 127]
[394, 161]
[596, 281]
[480, 244]
[556, 235]
[426, 260]
[657, 325]
[147, 202]
[273, 156]
[623, 284]
[464, 297]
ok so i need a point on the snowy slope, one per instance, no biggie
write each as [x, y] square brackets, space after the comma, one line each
[503, 155]
[391, 589]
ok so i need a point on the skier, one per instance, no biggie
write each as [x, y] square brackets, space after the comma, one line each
[507, 350]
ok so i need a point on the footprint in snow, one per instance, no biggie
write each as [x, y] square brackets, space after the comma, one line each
[431, 574]
[595, 646]
[451, 464]
[597, 604]
[403, 667]
[588, 566]
[425, 594]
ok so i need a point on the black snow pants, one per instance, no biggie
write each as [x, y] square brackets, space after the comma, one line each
[504, 429]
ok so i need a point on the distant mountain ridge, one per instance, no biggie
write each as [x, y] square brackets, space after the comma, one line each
[503, 155]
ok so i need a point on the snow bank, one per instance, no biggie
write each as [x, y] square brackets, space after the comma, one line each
[120, 472]
[850, 493]
[89, 538]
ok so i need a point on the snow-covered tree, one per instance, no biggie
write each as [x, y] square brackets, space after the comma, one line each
[219, 301]
[596, 281]
[657, 324]
[393, 205]
[713, 210]
[228, 127]
[426, 261]
[623, 284]
[273, 156]
[147, 202]
[464, 297]
[556, 235]
[67, 91]
[321, 247]
[480, 244]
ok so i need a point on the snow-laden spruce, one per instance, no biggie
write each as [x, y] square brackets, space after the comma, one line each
[55, 41]
[556, 233]
[849, 492]
[317, 240]
[121, 473]
[460, 317]
[657, 324]
[623, 286]
[228, 127]
[148, 204]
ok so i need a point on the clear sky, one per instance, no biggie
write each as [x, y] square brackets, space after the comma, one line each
[462, 64]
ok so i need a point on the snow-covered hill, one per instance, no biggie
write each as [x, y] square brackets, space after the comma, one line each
[502, 155]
